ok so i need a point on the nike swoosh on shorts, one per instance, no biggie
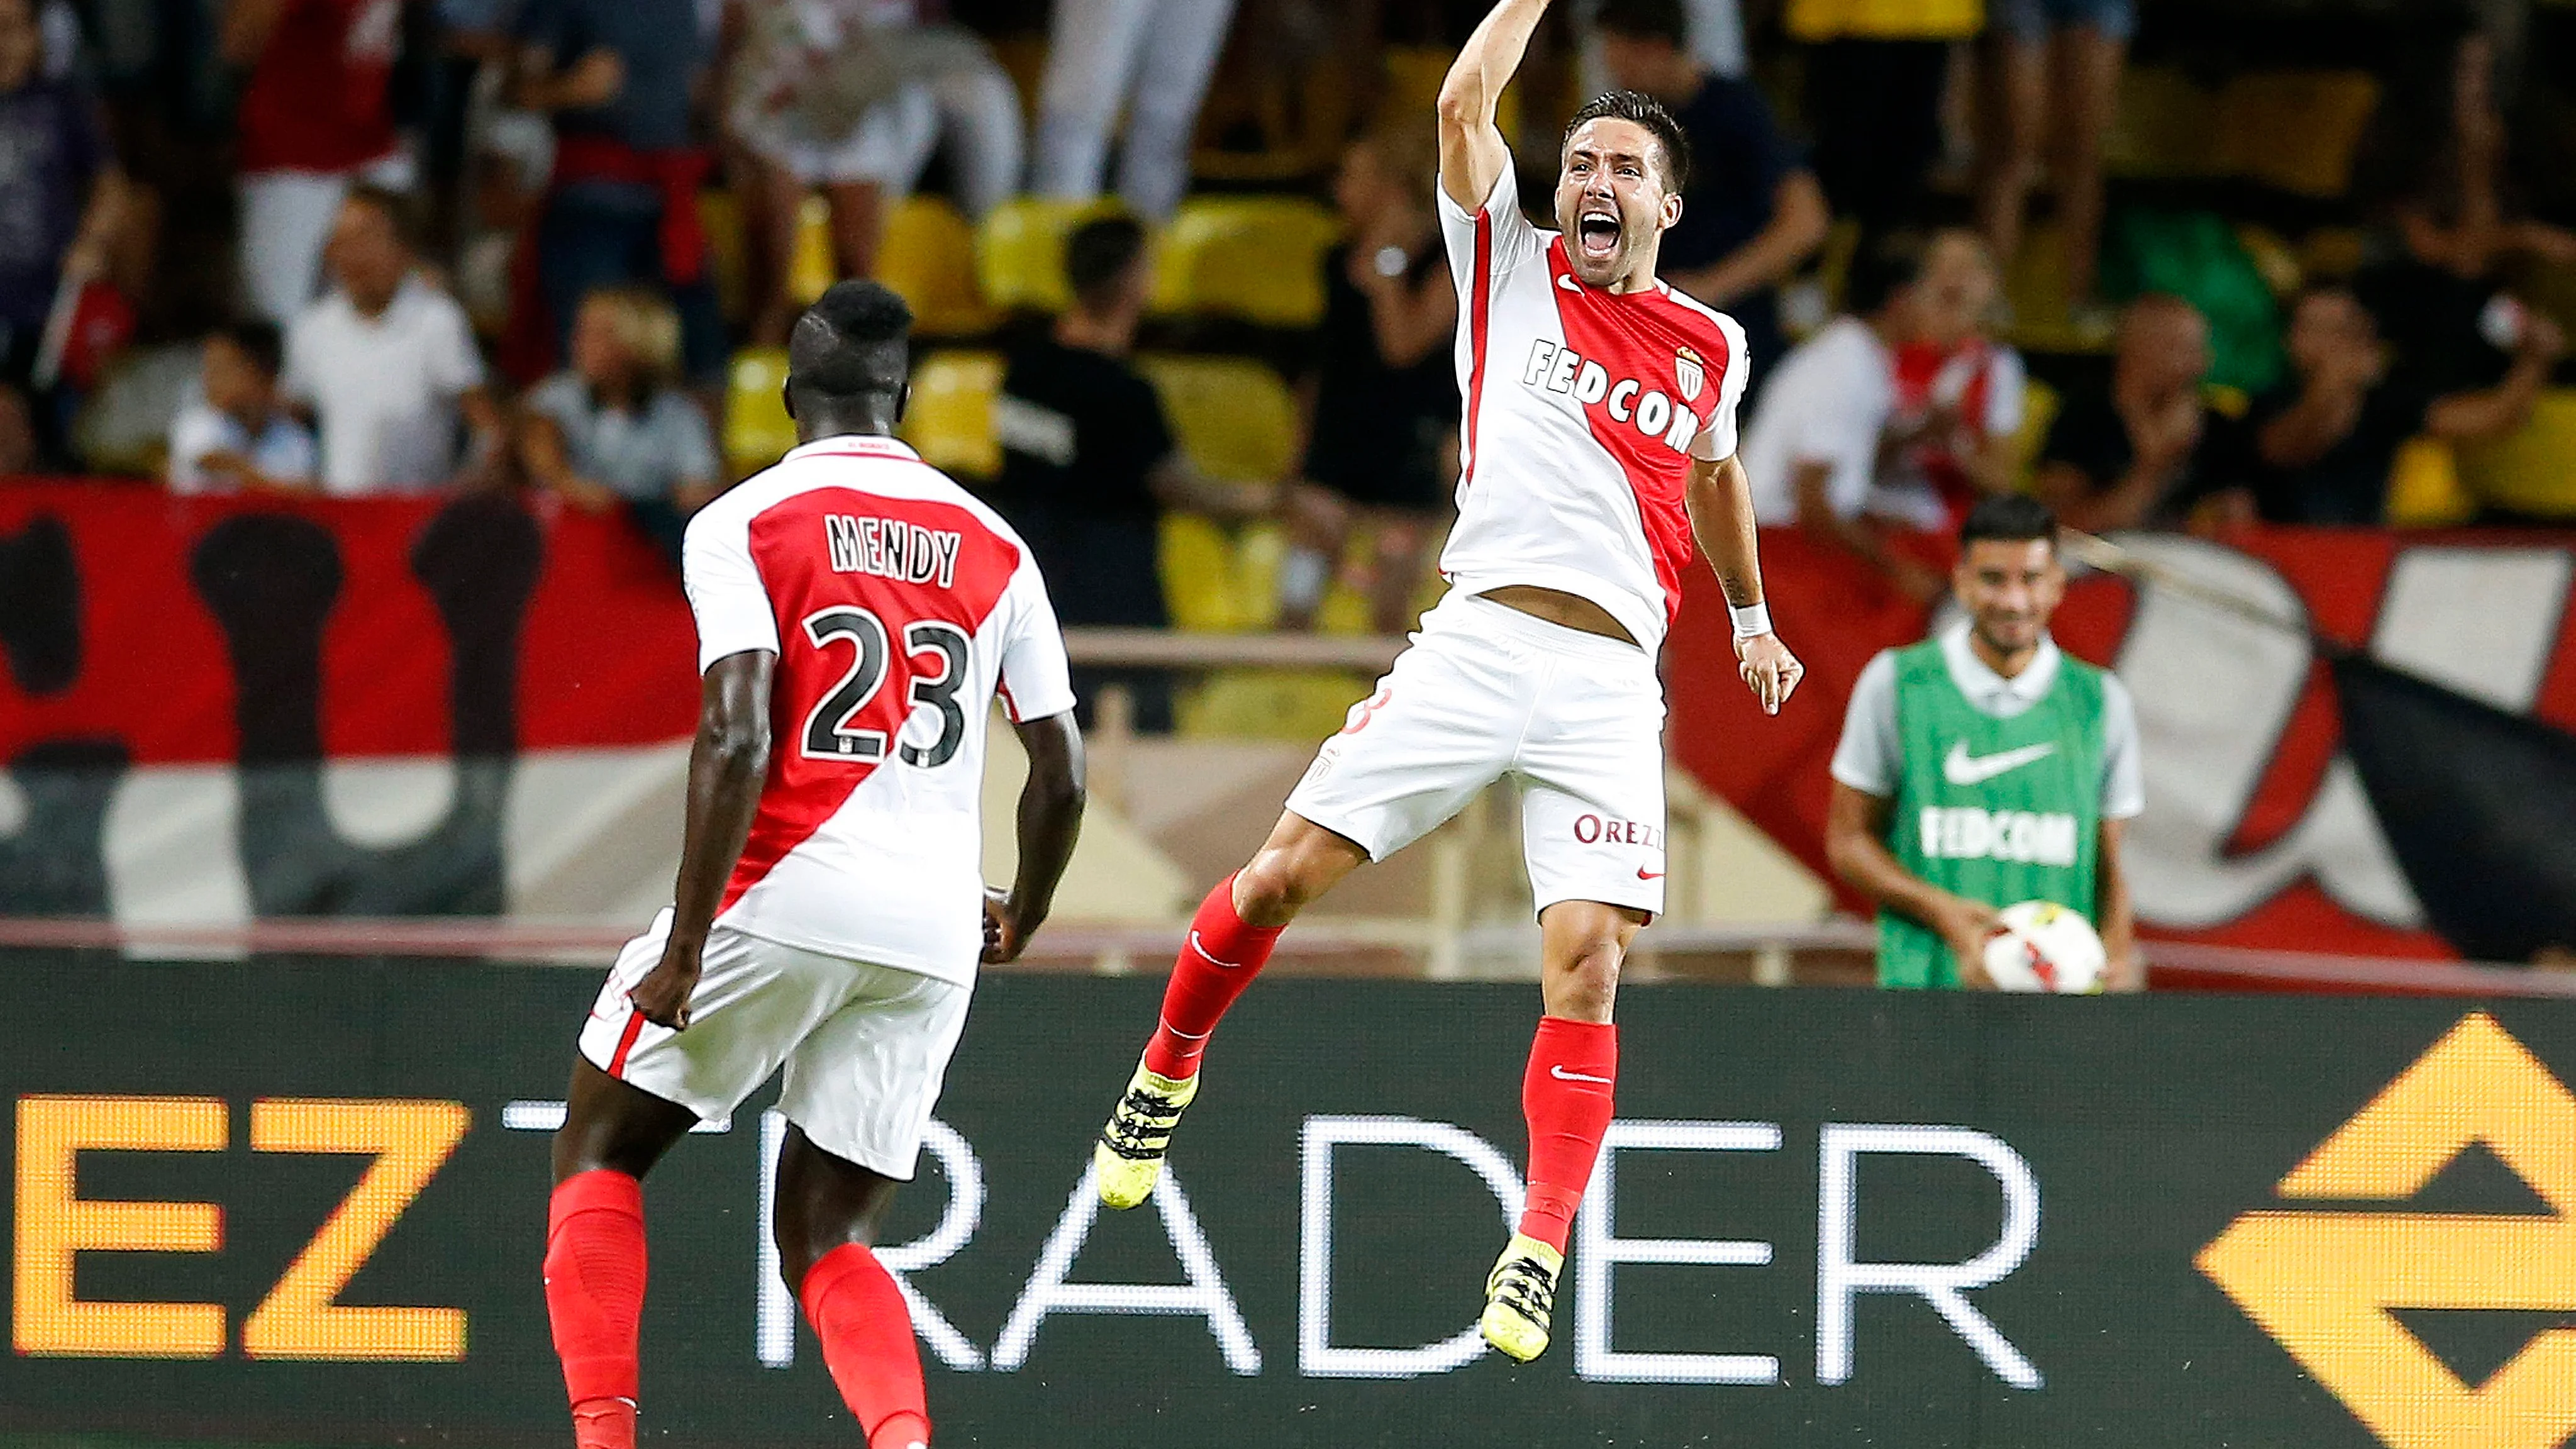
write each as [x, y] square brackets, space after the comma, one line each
[1562, 1075]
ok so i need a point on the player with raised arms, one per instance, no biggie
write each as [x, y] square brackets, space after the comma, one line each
[857, 611]
[1598, 442]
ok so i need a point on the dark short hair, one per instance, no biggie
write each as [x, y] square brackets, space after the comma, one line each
[1884, 266]
[1099, 254]
[393, 206]
[1646, 111]
[853, 342]
[1645, 20]
[2008, 518]
[259, 340]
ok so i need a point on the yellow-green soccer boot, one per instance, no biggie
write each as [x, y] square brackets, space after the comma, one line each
[1129, 1155]
[1520, 1295]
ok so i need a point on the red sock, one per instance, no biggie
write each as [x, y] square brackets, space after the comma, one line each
[595, 1299]
[859, 1314]
[1219, 959]
[1566, 1096]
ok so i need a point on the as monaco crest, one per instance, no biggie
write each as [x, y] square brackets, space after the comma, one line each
[1690, 372]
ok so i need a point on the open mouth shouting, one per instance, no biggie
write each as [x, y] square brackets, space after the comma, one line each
[1596, 232]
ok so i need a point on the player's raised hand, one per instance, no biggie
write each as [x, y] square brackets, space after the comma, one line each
[1769, 670]
[662, 997]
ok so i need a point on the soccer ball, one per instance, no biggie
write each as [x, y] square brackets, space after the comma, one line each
[2043, 946]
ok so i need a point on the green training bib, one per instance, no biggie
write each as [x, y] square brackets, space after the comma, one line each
[1996, 810]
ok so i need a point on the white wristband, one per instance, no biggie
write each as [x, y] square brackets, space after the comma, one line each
[1752, 621]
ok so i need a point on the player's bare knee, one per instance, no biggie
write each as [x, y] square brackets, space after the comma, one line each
[1274, 887]
[1585, 983]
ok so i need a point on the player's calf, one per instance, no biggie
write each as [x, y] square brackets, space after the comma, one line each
[1228, 942]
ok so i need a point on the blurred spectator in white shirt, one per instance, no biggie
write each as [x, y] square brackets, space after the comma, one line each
[1812, 449]
[1958, 410]
[854, 97]
[614, 427]
[387, 366]
[1151, 59]
[236, 433]
[316, 116]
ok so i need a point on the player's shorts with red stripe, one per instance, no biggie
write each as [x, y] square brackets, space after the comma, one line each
[865, 1047]
[1485, 692]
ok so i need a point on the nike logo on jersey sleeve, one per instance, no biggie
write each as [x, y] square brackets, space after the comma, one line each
[1961, 768]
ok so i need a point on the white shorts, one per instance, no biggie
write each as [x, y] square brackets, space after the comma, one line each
[865, 1047]
[1488, 691]
[891, 145]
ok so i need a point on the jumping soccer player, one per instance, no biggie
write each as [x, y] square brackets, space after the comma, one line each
[1984, 767]
[1598, 440]
[860, 609]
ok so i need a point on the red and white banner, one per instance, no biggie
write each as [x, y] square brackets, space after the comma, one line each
[2257, 832]
[214, 709]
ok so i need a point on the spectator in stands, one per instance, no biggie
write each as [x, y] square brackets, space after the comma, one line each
[1147, 59]
[1089, 461]
[1876, 70]
[1752, 213]
[61, 193]
[236, 433]
[614, 431]
[1381, 406]
[2051, 74]
[618, 77]
[2326, 437]
[316, 116]
[385, 363]
[2325, 440]
[854, 96]
[1713, 34]
[2459, 335]
[2143, 450]
[1812, 449]
[1958, 410]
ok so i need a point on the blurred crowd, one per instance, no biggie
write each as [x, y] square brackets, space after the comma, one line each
[387, 246]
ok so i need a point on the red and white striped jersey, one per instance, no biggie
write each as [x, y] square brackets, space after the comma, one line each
[1582, 406]
[898, 605]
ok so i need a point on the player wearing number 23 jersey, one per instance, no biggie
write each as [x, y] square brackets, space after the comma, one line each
[857, 613]
[1598, 443]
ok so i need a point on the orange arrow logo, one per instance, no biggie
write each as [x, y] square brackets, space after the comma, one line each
[2323, 1282]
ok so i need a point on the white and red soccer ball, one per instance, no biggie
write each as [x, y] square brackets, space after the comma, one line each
[2043, 946]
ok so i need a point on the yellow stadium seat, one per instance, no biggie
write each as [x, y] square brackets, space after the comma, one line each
[1210, 578]
[928, 255]
[950, 421]
[1259, 258]
[756, 428]
[1413, 77]
[1233, 417]
[1269, 704]
[2333, 251]
[815, 266]
[2160, 127]
[2296, 130]
[2039, 406]
[2531, 470]
[2424, 487]
[720, 215]
[2035, 284]
[1296, 115]
[1019, 250]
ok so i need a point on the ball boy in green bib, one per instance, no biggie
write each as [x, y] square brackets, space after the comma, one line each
[1983, 767]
